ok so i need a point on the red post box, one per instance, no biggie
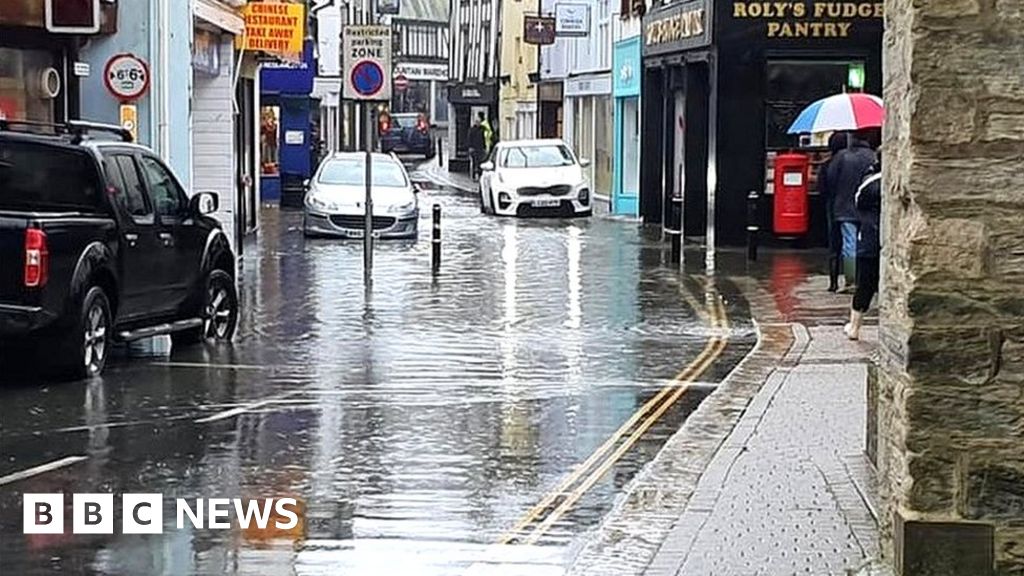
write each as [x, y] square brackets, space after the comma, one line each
[790, 215]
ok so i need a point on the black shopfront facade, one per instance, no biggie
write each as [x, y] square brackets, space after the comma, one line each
[723, 81]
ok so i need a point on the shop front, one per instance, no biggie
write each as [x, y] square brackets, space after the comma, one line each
[588, 127]
[39, 68]
[723, 81]
[626, 73]
[289, 141]
[467, 101]
[424, 92]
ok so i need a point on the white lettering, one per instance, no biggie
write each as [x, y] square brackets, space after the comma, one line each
[185, 510]
[279, 508]
[252, 510]
[218, 508]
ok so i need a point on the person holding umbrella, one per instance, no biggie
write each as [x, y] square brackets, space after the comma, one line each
[856, 113]
[868, 200]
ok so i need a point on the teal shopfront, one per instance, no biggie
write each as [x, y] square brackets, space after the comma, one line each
[627, 71]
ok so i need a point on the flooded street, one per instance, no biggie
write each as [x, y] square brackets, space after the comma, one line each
[419, 423]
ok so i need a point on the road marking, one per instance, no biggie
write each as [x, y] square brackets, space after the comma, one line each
[41, 469]
[225, 414]
[679, 385]
[209, 366]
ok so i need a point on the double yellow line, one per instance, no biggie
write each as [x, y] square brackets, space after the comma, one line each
[539, 519]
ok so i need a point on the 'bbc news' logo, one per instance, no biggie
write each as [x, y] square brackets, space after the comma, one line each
[144, 513]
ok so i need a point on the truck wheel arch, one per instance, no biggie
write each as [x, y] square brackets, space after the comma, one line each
[94, 269]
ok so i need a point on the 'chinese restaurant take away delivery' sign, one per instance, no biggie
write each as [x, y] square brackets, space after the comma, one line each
[274, 27]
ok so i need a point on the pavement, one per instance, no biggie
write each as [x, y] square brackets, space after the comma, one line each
[436, 171]
[768, 476]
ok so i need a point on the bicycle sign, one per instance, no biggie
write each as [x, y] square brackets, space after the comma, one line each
[126, 76]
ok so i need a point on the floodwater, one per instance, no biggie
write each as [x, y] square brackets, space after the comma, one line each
[414, 423]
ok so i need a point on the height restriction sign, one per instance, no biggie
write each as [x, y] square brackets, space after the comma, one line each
[367, 58]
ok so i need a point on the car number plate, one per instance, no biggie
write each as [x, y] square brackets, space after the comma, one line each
[546, 203]
[354, 233]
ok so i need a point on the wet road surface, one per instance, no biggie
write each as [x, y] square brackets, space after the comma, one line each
[417, 424]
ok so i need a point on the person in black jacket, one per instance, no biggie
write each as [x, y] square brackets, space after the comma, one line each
[868, 200]
[844, 176]
[836, 143]
[477, 144]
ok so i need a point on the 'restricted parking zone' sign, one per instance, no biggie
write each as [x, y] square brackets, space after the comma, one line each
[367, 59]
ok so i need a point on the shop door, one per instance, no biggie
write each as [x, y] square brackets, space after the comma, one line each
[628, 200]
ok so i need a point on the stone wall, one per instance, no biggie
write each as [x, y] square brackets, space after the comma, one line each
[951, 384]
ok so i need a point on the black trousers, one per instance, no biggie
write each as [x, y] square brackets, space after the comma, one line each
[867, 283]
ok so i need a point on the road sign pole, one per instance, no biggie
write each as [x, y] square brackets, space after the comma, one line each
[368, 203]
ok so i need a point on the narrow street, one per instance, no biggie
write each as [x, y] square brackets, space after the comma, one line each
[420, 423]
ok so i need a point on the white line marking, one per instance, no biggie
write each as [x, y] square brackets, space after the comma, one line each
[209, 366]
[41, 469]
[242, 409]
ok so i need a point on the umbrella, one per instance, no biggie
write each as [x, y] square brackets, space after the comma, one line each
[840, 112]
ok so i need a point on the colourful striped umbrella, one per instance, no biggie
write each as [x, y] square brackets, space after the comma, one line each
[840, 112]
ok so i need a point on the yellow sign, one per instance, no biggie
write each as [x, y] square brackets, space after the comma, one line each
[274, 27]
[808, 19]
[130, 120]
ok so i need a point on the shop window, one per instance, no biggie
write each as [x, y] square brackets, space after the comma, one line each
[21, 93]
[793, 84]
[603, 145]
[270, 140]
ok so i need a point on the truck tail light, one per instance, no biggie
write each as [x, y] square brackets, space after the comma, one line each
[37, 258]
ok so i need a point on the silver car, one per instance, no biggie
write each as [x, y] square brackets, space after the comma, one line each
[337, 192]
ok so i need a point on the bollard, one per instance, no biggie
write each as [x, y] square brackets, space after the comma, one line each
[677, 232]
[753, 227]
[440, 153]
[435, 240]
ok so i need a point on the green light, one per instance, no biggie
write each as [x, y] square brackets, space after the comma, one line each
[855, 77]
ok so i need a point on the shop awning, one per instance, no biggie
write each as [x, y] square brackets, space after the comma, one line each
[221, 16]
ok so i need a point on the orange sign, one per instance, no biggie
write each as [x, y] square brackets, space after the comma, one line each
[274, 27]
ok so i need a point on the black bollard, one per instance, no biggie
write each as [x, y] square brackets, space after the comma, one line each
[435, 240]
[753, 226]
[677, 231]
[440, 153]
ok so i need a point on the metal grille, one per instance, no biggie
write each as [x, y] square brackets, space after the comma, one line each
[353, 221]
[560, 190]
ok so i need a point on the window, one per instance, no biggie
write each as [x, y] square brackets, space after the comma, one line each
[131, 196]
[167, 197]
[536, 157]
[270, 135]
[352, 172]
[39, 177]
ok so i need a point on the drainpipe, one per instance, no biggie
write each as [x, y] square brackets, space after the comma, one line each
[163, 78]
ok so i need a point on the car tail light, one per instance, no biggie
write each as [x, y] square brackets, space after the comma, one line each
[385, 124]
[37, 258]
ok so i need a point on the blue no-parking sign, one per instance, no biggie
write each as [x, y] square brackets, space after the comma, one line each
[367, 59]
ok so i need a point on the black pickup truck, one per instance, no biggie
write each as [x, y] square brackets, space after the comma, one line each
[99, 244]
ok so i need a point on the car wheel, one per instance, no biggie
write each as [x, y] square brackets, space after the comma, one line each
[85, 347]
[219, 313]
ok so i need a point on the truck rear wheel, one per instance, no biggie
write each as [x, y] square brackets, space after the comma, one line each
[219, 312]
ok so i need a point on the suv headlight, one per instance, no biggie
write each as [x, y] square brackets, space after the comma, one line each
[318, 203]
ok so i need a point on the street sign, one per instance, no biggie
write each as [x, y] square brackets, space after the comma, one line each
[126, 76]
[367, 59]
[392, 7]
[539, 30]
[401, 83]
[130, 120]
[572, 19]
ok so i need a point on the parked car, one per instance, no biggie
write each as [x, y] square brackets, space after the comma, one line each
[534, 178]
[406, 133]
[334, 204]
[100, 244]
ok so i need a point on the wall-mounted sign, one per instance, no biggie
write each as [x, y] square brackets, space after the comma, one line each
[366, 51]
[294, 137]
[572, 19]
[808, 19]
[206, 52]
[588, 85]
[539, 30]
[680, 26]
[129, 115]
[274, 27]
[413, 71]
[126, 77]
[82, 69]
[388, 7]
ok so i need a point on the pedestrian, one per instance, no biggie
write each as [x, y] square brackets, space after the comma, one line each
[477, 144]
[868, 200]
[836, 143]
[844, 175]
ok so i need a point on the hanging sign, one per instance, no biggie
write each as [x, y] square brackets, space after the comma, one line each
[367, 57]
[126, 77]
[572, 19]
[539, 30]
[277, 28]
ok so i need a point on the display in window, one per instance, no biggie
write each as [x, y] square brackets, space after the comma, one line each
[270, 140]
